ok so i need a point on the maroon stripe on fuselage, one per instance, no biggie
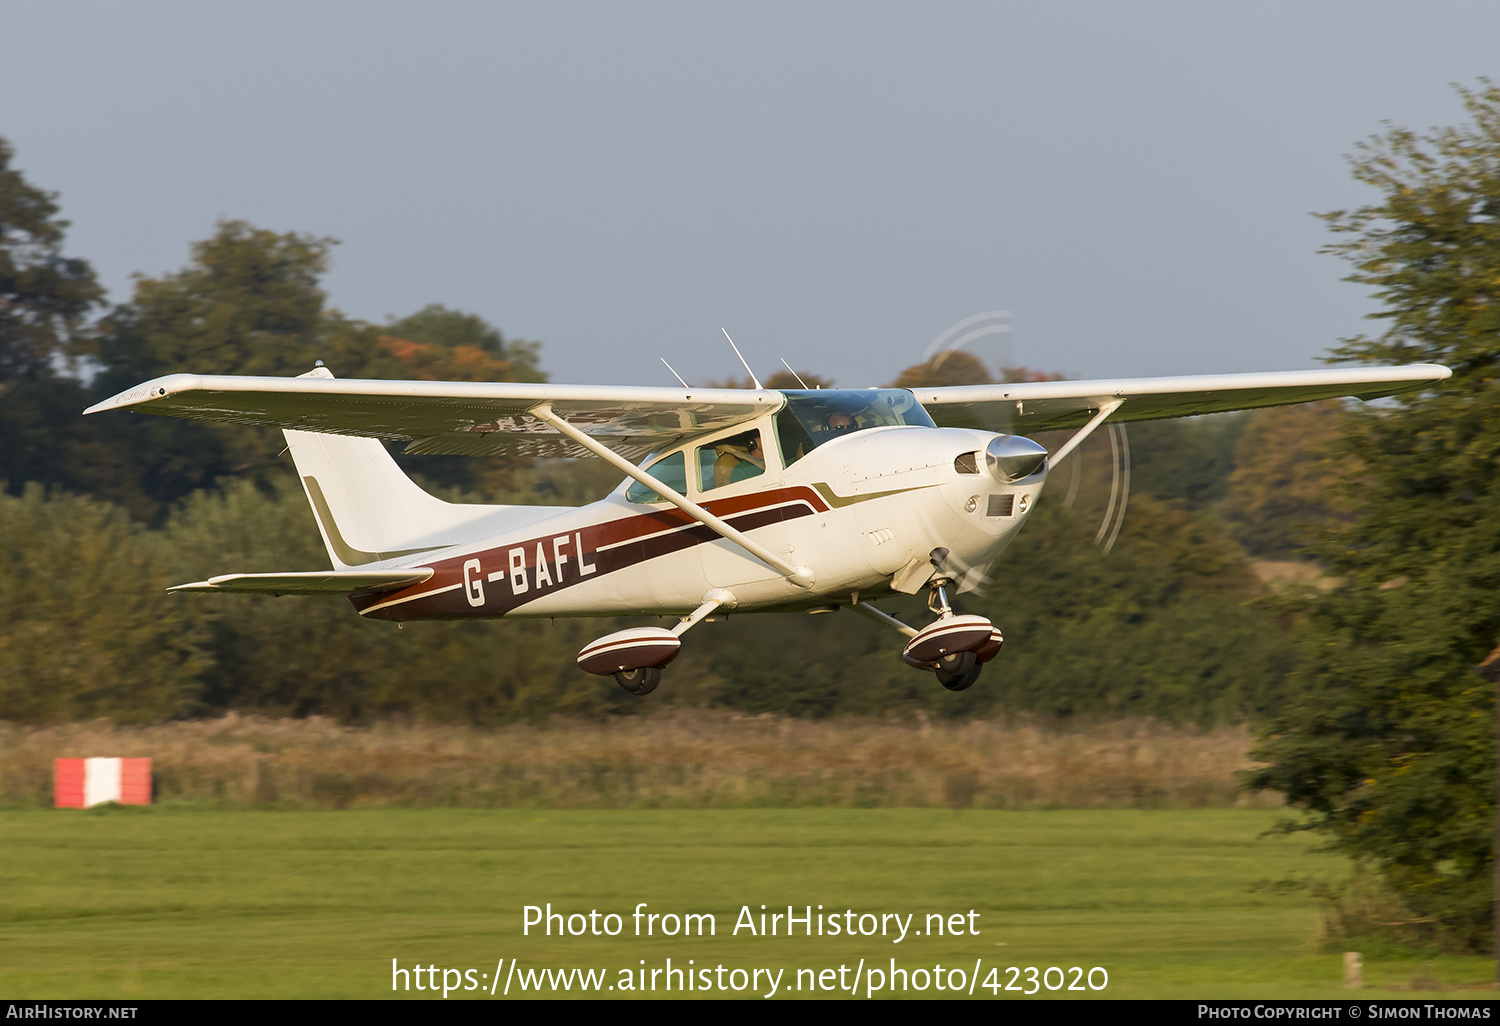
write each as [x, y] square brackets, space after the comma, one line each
[627, 542]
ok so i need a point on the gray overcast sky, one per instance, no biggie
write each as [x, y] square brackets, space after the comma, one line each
[834, 182]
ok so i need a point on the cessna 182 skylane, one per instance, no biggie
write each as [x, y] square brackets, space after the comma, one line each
[753, 500]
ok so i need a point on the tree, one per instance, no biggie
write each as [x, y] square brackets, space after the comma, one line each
[476, 345]
[313, 655]
[1390, 751]
[1187, 460]
[798, 379]
[950, 367]
[87, 628]
[251, 302]
[1165, 625]
[45, 300]
[1284, 486]
[44, 296]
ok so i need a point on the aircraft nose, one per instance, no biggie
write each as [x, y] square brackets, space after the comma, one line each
[1012, 457]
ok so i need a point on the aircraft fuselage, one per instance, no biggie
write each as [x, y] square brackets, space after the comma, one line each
[856, 510]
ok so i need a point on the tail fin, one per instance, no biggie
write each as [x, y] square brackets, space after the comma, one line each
[367, 509]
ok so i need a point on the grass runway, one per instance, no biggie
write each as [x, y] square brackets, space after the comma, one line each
[171, 902]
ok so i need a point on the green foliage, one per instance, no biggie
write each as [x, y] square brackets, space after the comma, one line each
[436, 325]
[1187, 460]
[44, 295]
[1160, 627]
[301, 656]
[1390, 746]
[1284, 485]
[1165, 625]
[45, 298]
[248, 303]
[86, 628]
[251, 302]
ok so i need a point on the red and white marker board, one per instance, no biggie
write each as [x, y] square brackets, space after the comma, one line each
[79, 783]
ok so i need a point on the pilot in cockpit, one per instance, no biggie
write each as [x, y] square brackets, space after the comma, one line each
[738, 458]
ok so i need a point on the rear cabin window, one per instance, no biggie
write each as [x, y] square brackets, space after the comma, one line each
[736, 458]
[670, 471]
[811, 418]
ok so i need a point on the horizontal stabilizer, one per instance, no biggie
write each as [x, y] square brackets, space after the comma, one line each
[317, 582]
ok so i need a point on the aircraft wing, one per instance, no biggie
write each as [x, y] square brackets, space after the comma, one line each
[316, 582]
[1031, 406]
[451, 417]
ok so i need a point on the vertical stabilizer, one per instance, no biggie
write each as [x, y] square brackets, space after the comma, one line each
[367, 509]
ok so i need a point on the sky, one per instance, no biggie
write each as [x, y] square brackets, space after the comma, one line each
[834, 183]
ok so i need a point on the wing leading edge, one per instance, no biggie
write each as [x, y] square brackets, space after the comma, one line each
[451, 417]
[1050, 405]
[485, 418]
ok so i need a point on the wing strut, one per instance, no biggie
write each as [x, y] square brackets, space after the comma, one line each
[869, 612]
[801, 576]
[1088, 429]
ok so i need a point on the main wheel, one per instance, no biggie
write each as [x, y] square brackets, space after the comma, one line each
[639, 682]
[959, 671]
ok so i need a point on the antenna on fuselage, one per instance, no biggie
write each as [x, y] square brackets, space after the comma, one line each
[794, 373]
[674, 373]
[737, 352]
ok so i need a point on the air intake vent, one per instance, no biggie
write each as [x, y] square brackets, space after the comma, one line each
[968, 463]
[1001, 506]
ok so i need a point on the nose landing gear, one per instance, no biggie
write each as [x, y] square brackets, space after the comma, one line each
[959, 671]
[953, 647]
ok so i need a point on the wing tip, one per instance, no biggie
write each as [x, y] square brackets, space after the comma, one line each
[145, 392]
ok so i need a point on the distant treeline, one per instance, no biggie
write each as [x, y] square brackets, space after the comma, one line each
[101, 514]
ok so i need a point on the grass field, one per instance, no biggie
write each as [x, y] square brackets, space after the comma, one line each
[192, 902]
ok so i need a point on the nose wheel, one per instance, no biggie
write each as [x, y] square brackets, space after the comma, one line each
[959, 671]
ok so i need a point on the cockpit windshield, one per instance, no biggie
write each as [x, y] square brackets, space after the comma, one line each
[811, 418]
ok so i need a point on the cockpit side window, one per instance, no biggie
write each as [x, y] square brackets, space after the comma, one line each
[670, 471]
[736, 458]
[794, 438]
[811, 418]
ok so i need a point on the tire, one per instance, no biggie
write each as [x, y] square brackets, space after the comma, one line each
[639, 682]
[959, 671]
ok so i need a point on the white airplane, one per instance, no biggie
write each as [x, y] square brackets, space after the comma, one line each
[752, 500]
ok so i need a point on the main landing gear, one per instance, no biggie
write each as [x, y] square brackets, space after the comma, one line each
[636, 657]
[640, 681]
